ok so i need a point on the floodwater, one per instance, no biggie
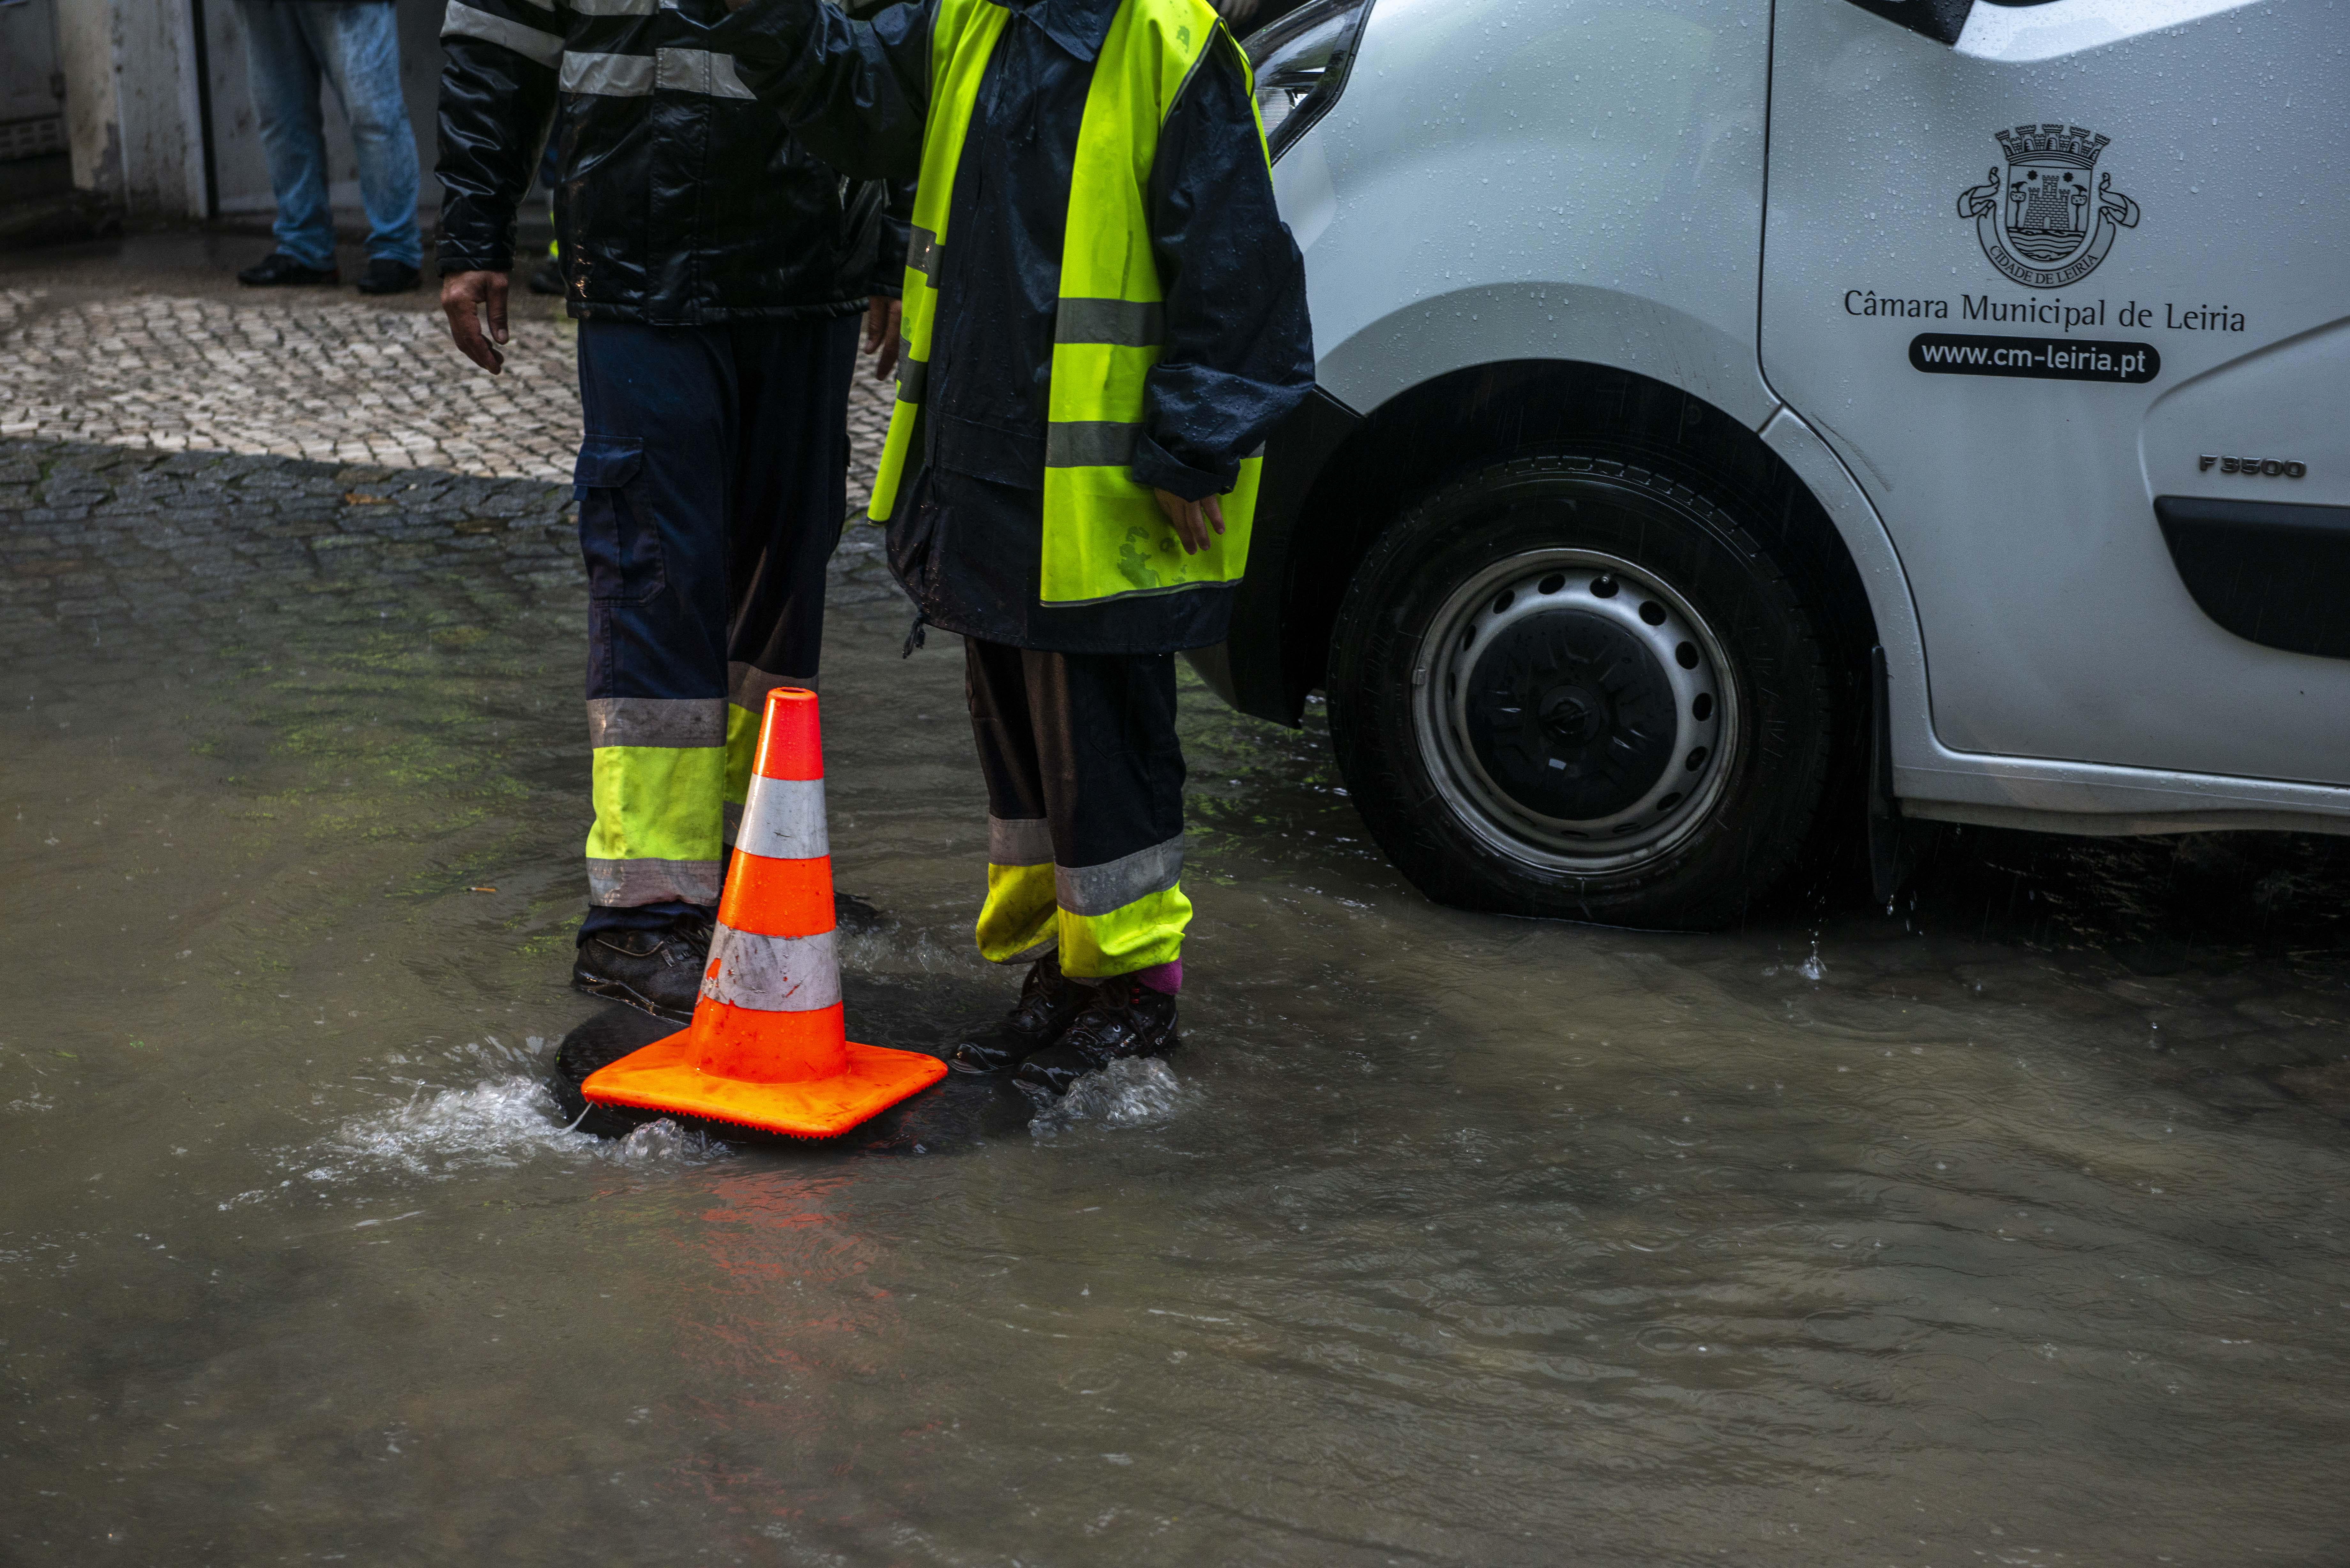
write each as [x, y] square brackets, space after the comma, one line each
[2009, 1227]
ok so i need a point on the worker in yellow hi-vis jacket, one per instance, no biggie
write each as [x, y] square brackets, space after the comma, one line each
[1104, 316]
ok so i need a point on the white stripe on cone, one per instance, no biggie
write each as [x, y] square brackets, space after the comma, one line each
[783, 819]
[773, 974]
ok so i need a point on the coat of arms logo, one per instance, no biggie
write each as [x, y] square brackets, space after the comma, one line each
[2042, 224]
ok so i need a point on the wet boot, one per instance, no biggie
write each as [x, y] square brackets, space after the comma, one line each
[1123, 1018]
[660, 971]
[1048, 1000]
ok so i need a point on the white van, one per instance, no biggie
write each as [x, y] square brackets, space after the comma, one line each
[1724, 399]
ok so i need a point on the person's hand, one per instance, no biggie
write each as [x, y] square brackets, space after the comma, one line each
[882, 338]
[1193, 519]
[466, 298]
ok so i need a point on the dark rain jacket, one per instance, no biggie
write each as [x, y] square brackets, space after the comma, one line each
[1238, 350]
[681, 200]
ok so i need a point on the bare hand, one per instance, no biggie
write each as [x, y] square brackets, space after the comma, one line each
[882, 339]
[1192, 519]
[465, 296]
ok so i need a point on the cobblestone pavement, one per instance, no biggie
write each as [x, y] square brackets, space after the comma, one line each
[190, 553]
[326, 380]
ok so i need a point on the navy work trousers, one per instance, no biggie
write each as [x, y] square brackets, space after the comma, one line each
[712, 483]
[1085, 806]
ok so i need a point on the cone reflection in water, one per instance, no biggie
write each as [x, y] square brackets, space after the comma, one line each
[768, 1047]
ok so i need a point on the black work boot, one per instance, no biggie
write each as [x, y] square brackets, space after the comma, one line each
[660, 971]
[1048, 1000]
[385, 275]
[278, 269]
[1123, 1018]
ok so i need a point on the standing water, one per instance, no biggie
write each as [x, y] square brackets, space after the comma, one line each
[2008, 1229]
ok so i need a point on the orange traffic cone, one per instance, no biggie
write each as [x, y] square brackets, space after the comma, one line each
[766, 1048]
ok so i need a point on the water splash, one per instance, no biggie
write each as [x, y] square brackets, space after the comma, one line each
[1137, 1092]
[499, 1123]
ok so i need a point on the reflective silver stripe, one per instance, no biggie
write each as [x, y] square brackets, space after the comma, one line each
[747, 686]
[463, 21]
[783, 819]
[774, 974]
[913, 375]
[1113, 884]
[1089, 443]
[656, 722]
[922, 253]
[1132, 324]
[1019, 841]
[699, 71]
[608, 76]
[620, 883]
[612, 7]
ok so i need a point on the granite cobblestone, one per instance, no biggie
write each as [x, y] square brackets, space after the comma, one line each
[324, 381]
[212, 546]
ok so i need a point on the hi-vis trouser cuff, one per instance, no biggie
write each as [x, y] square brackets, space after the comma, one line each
[659, 782]
[1125, 915]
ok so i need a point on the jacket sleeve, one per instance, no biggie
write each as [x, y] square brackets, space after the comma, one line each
[854, 91]
[497, 100]
[1239, 350]
[896, 236]
[897, 209]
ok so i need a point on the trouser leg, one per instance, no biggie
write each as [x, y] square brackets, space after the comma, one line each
[284, 74]
[790, 496]
[655, 472]
[1018, 918]
[1091, 740]
[357, 43]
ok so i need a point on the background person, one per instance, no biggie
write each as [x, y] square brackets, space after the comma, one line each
[352, 45]
[717, 271]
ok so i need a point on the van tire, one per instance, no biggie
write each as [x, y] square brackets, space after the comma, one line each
[1514, 766]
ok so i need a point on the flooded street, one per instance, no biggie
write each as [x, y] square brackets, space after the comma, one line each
[2012, 1228]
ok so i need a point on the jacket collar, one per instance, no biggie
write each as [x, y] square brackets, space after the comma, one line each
[1077, 25]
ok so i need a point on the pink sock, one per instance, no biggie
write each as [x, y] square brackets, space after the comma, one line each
[1163, 977]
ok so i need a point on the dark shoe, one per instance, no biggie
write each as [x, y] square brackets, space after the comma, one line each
[598, 1043]
[1049, 1002]
[547, 277]
[1123, 1018]
[660, 971]
[279, 268]
[384, 275]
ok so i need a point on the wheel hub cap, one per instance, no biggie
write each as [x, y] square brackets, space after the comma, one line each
[1570, 715]
[1576, 710]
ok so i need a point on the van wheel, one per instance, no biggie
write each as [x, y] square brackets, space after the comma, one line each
[1577, 687]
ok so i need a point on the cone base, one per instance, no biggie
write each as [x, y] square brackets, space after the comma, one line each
[667, 1075]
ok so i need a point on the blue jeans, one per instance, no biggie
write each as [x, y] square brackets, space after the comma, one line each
[289, 44]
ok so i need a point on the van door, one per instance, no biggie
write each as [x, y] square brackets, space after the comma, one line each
[2067, 287]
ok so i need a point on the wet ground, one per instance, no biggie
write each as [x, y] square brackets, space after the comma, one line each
[2009, 1227]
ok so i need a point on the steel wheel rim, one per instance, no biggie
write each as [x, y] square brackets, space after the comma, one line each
[1539, 582]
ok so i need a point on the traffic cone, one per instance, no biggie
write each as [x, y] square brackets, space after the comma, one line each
[767, 1048]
